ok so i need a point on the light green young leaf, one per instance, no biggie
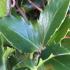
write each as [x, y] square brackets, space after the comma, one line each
[3, 8]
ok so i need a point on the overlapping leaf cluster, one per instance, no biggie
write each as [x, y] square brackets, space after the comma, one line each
[19, 40]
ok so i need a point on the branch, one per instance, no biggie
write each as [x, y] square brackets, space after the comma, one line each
[34, 5]
[21, 11]
[67, 37]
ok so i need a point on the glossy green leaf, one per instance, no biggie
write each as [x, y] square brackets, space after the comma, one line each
[20, 39]
[61, 32]
[66, 42]
[56, 50]
[58, 63]
[53, 16]
[19, 34]
[56, 58]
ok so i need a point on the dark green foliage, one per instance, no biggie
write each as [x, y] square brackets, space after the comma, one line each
[35, 35]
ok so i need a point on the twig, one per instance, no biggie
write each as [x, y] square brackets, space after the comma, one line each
[22, 12]
[67, 37]
[34, 5]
